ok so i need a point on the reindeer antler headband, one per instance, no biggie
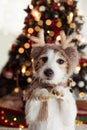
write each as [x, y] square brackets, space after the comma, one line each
[65, 40]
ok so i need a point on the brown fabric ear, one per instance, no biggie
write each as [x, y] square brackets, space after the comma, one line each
[36, 51]
[72, 57]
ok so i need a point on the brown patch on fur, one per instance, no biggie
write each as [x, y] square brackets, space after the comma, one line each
[43, 113]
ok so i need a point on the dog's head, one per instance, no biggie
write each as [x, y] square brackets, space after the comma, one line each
[54, 64]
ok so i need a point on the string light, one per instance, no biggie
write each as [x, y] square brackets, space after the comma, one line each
[42, 8]
[70, 2]
[48, 31]
[51, 33]
[59, 24]
[30, 30]
[16, 90]
[29, 80]
[78, 122]
[15, 119]
[23, 70]
[61, 8]
[70, 17]
[56, 1]
[58, 38]
[31, 6]
[21, 50]
[40, 22]
[27, 73]
[21, 126]
[36, 14]
[81, 94]
[37, 28]
[72, 25]
[48, 22]
[77, 69]
[28, 35]
[27, 45]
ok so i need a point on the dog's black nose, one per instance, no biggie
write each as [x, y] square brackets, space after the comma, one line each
[49, 72]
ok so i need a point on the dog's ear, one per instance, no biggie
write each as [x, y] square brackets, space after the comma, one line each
[73, 58]
[36, 51]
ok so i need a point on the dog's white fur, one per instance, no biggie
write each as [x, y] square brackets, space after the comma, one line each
[62, 111]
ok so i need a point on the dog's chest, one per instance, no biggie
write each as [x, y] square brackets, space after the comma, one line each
[53, 107]
[54, 115]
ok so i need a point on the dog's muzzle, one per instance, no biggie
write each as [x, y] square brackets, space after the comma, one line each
[48, 73]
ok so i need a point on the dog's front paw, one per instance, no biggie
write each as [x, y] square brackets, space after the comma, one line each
[43, 97]
[57, 93]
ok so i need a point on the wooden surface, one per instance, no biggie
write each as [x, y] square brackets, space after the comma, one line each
[82, 104]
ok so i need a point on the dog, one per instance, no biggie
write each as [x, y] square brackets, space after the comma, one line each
[50, 104]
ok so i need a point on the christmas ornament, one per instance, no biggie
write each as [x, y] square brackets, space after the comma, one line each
[8, 74]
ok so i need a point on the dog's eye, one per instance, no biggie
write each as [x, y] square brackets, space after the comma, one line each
[60, 61]
[44, 59]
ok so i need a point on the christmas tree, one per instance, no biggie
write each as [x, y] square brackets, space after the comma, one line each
[51, 15]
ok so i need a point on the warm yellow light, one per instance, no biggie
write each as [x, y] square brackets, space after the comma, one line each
[27, 73]
[58, 38]
[30, 30]
[15, 119]
[72, 25]
[81, 94]
[23, 69]
[56, 1]
[28, 35]
[36, 14]
[21, 50]
[78, 122]
[48, 22]
[51, 33]
[31, 6]
[61, 8]
[21, 126]
[59, 24]
[70, 17]
[2, 117]
[11, 123]
[2, 112]
[48, 31]
[40, 22]
[27, 45]
[37, 28]
[32, 60]
[85, 64]
[6, 121]
[16, 90]
[29, 80]
[49, 1]
[77, 69]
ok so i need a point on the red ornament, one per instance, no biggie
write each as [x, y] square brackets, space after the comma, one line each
[8, 74]
[13, 47]
[82, 61]
[26, 21]
[69, 2]
[55, 6]
[31, 42]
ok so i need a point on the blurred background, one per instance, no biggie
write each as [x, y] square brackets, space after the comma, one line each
[11, 23]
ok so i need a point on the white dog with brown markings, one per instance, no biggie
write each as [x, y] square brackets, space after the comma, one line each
[50, 104]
